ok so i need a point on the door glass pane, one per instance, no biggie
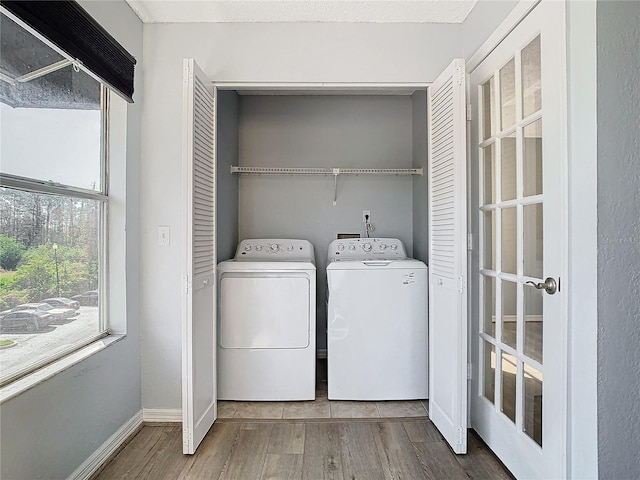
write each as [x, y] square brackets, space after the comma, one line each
[533, 158]
[533, 323]
[489, 373]
[531, 79]
[509, 234]
[509, 313]
[490, 306]
[489, 246]
[488, 116]
[533, 240]
[508, 390]
[508, 94]
[488, 155]
[532, 421]
[508, 168]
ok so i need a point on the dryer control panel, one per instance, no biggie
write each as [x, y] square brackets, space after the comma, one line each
[366, 249]
[275, 250]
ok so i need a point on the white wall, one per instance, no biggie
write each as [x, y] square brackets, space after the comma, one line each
[250, 53]
[51, 429]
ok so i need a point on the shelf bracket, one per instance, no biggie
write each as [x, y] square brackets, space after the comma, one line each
[336, 172]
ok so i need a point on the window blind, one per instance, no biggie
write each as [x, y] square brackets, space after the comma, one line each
[68, 26]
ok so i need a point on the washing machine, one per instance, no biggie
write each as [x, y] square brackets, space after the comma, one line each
[267, 322]
[377, 346]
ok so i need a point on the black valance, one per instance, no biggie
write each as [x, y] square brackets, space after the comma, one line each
[68, 26]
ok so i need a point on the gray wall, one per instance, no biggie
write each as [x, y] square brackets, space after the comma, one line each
[325, 131]
[51, 429]
[618, 44]
[420, 183]
[226, 182]
[248, 53]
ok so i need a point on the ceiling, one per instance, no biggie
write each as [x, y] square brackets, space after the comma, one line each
[267, 11]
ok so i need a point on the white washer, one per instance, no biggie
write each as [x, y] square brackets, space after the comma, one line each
[267, 322]
[376, 321]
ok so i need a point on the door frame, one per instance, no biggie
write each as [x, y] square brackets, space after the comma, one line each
[579, 174]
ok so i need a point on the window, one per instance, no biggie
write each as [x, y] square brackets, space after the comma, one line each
[53, 203]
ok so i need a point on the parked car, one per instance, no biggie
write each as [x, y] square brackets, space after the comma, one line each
[62, 302]
[29, 320]
[89, 298]
[58, 314]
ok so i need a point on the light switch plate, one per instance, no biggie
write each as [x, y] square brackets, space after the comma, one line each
[164, 236]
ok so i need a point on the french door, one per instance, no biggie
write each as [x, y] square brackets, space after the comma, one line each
[518, 395]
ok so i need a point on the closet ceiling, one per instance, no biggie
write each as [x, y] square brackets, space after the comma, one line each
[341, 11]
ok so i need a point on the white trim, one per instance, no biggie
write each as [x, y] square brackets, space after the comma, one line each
[108, 448]
[162, 415]
[519, 12]
[306, 87]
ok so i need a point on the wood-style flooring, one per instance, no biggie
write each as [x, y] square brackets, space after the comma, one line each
[339, 449]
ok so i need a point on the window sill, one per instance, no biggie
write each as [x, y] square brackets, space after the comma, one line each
[39, 376]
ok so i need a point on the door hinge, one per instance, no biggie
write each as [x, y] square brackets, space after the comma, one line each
[185, 284]
[470, 241]
[462, 436]
[469, 115]
[461, 284]
[469, 371]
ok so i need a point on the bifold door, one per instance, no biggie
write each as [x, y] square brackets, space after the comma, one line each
[199, 300]
[448, 256]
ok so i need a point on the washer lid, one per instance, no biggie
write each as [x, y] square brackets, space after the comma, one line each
[377, 264]
[275, 250]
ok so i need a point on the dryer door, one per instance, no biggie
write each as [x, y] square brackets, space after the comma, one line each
[262, 310]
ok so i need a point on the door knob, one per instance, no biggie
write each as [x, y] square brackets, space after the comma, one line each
[549, 285]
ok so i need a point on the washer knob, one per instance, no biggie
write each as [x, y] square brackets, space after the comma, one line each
[259, 248]
[383, 246]
[366, 247]
[289, 248]
[352, 248]
[394, 246]
[340, 247]
[247, 248]
[274, 247]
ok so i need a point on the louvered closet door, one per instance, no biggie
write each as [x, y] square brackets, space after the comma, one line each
[448, 256]
[199, 305]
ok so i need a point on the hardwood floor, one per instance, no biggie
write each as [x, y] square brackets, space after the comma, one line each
[337, 449]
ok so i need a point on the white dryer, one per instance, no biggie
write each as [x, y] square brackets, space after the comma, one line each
[267, 322]
[376, 321]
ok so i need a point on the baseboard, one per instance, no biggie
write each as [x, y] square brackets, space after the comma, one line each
[108, 448]
[162, 415]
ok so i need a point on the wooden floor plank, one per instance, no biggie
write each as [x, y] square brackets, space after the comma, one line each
[213, 453]
[287, 438]
[398, 458]
[438, 461]
[359, 452]
[168, 460]
[322, 459]
[282, 467]
[422, 431]
[136, 456]
[249, 451]
[480, 462]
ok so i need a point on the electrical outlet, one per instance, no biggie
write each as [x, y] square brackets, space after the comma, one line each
[164, 235]
[366, 216]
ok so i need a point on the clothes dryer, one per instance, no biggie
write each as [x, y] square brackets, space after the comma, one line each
[377, 346]
[267, 322]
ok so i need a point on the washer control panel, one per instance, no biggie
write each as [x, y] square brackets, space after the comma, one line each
[275, 250]
[366, 249]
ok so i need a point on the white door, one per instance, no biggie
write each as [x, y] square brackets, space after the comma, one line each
[448, 256]
[518, 396]
[199, 300]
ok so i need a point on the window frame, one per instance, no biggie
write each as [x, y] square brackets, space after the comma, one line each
[38, 186]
